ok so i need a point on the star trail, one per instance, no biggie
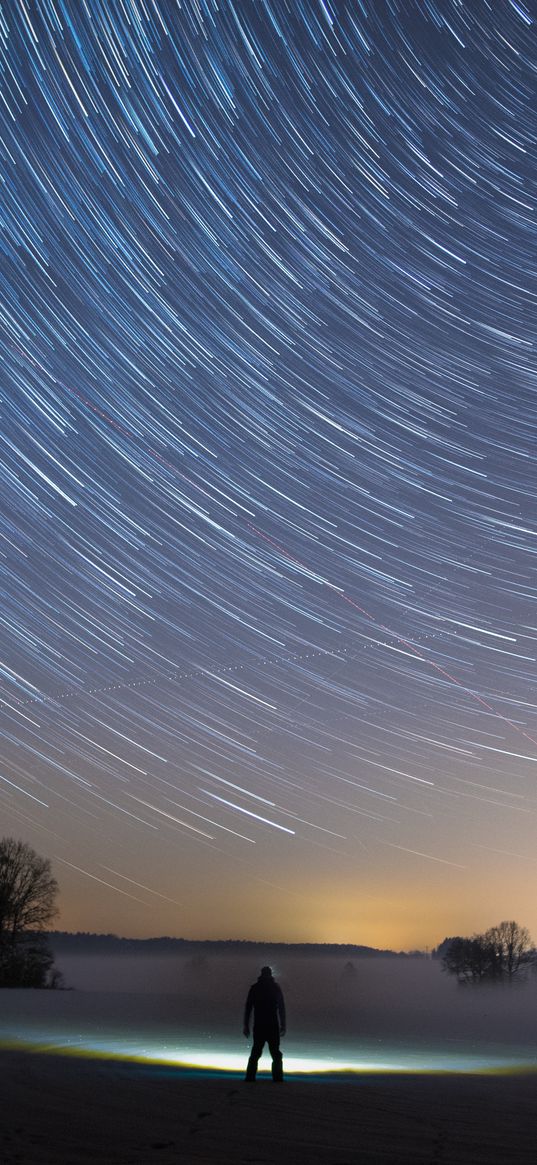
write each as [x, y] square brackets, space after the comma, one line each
[268, 468]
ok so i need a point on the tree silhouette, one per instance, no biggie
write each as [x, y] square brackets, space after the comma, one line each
[512, 949]
[502, 953]
[27, 904]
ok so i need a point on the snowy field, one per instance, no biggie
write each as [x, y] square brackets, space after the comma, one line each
[376, 1015]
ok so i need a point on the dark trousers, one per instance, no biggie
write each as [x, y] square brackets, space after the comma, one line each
[271, 1036]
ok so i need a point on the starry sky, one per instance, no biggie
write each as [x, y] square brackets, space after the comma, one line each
[269, 293]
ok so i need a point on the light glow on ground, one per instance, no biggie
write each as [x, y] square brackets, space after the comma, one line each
[188, 1058]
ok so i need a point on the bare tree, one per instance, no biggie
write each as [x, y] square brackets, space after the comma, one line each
[512, 948]
[503, 952]
[470, 959]
[27, 904]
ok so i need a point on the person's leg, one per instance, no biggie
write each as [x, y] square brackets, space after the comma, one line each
[257, 1048]
[277, 1061]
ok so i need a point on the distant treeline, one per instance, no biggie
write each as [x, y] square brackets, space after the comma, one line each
[85, 943]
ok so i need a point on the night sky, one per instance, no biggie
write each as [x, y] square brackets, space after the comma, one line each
[269, 289]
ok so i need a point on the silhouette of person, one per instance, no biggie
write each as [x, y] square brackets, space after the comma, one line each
[265, 999]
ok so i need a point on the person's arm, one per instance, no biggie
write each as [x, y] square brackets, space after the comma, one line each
[248, 1012]
[281, 1012]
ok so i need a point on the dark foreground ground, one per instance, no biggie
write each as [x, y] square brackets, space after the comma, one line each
[59, 1110]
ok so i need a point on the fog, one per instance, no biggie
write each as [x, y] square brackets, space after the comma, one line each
[381, 1011]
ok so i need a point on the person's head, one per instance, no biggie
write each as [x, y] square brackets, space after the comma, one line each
[266, 973]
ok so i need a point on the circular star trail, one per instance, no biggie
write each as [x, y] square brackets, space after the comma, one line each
[268, 462]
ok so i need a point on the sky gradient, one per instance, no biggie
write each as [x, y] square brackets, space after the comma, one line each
[268, 464]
